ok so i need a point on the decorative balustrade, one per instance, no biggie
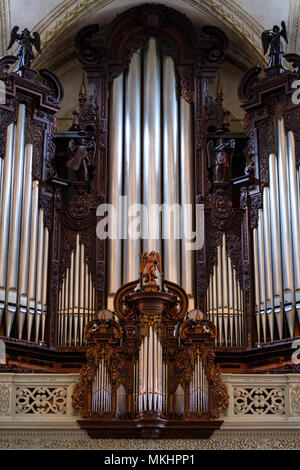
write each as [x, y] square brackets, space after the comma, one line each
[45, 400]
[36, 399]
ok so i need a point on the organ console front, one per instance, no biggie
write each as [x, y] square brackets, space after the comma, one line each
[166, 374]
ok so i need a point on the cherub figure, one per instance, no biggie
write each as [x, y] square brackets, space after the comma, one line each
[152, 263]
[25, 53]
[271, 39]
[219, 158]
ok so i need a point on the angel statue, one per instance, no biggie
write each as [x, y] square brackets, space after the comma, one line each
[219, 159]
[271, 38]
[80, 158]
[151, 262]
[25, 53]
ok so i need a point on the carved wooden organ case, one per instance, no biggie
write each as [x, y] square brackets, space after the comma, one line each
[150, 132]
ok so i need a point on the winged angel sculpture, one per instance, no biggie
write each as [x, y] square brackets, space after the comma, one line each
[25, 41]
[271, 40]
[151, 262]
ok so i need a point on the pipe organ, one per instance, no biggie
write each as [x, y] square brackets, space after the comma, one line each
[150, 163]
[276, 245]
[225, 300]
[151, 144]
[76, 299]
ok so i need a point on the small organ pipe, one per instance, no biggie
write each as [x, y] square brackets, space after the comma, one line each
[268, 262]
[45, 280]
[275, 244]
[295, 218]
[224, 300]
[39, 273]
[78, 306]
[33, 257]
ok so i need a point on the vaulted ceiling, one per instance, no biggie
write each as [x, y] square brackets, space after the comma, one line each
[243, 20]
[58, 21]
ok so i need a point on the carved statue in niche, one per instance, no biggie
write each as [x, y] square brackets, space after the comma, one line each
[151, 262]
[219, 160]
[80, 158]
[25, 53]
[271, 38]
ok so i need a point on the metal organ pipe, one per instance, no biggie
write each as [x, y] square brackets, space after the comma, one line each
[152, 141]
[225, 300]
[187, 196]
[268, 263]
[15, 220]
[33, 257]
[115, 185]
[170, 125]
[132, 160]
[76, 305]
[295, 219]
[286, 239]
[23, 240]
[5, 214]
[277, 261]
[275, 245]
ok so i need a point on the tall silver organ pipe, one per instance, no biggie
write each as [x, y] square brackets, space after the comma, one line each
[187, 197]
[171, 170]
[150, 375]
[150, 136]
[276, 245]
[225, 300]
[23, 241]
[115, 185]
[101, 389]
[76, 304]
[132, 157]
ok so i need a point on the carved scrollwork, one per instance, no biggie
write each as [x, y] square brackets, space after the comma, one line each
[221, 397]
[79, 395]
[255, 204]
[245, 90]
[222, 207]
